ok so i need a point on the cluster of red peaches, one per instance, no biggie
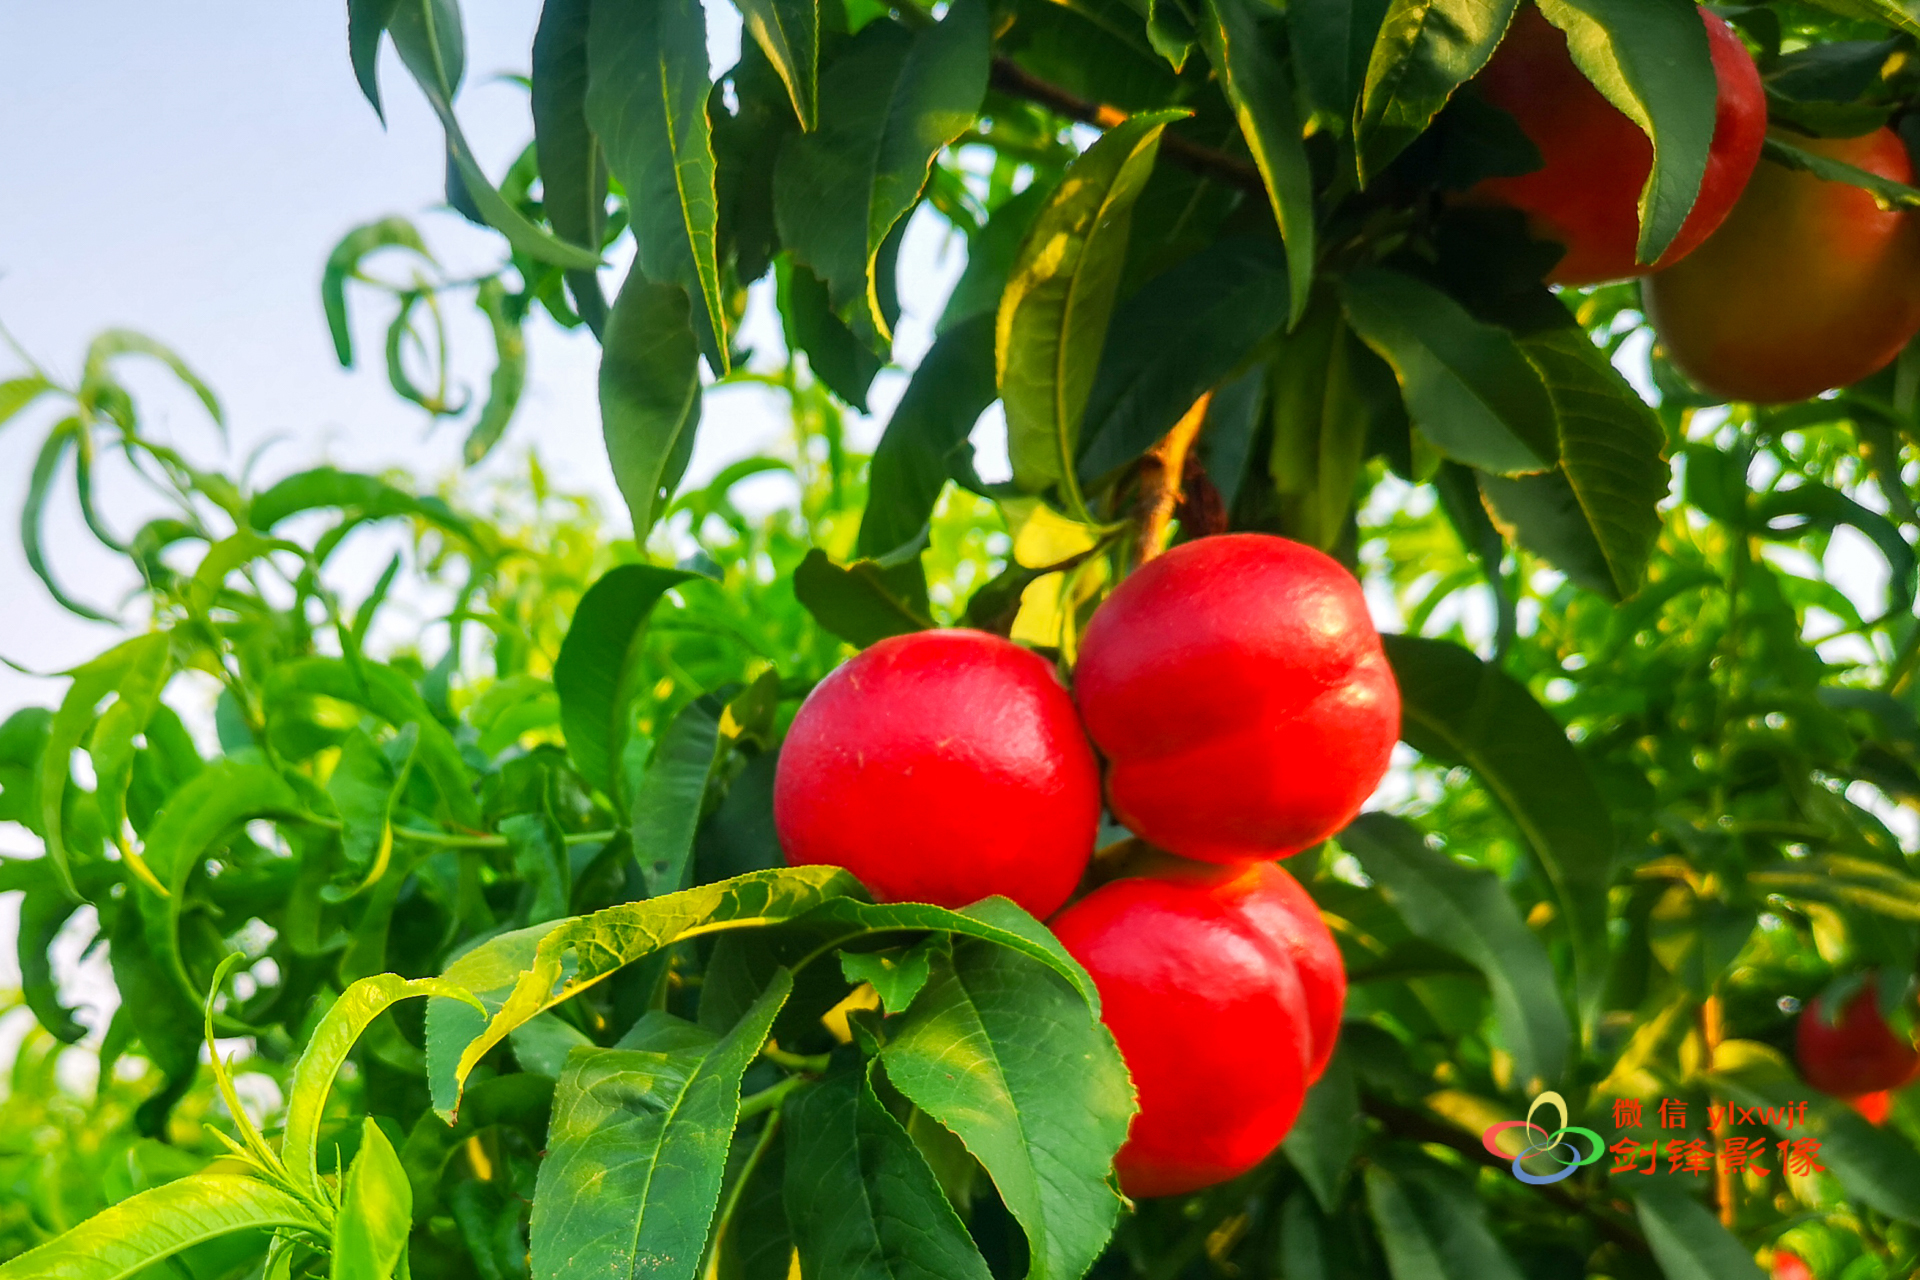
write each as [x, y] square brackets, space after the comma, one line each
[1779, 285]
[1239, 696]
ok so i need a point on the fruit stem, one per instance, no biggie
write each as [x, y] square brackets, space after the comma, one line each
[1163, 470]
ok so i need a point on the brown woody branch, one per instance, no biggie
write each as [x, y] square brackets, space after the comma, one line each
[1010, 78]
[1163, 472]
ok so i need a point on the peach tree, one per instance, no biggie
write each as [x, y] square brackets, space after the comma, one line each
[469, 950]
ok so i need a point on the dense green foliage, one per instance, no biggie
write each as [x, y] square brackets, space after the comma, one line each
[497, 912]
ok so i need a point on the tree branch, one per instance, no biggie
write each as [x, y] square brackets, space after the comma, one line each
[1407, 1123]
[1010, 78]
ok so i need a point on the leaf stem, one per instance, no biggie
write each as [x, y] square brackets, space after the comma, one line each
[814, 1063]
[774, 1095]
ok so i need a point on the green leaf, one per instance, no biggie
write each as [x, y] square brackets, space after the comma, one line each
[1053, 317]
[63, 437]
[1324, 1138]
[638, 1146]
[861, 1201]
[197, 818]
[1327, 395]
[991, 253]
[1424, 51]
[1651, 60]
[343, 264]
[542, 1044]
[366, 22]
[1260, 90]
[17, 393]
[365, 785]
[1466, 910]
[43, 913]
[951, 388]
[1457, 709]
[146, 1229]
[1597, 516]
[1331, 41]
[427, 35]
[114, 343]
[1468, 386]
[835, 354]
[646, 100]
[541, 862]
[888, 105]
[788, 32]
[669, 798]
[509, 375]
[388, 694]
[897, 977]
[524, 973]
[996, 920]
[327, 1048]
[598, 671]
[1303, 1250]
[131, 662]
[1876, 1166]
[1886, 193]
[1432, 1227]
[1687, 1240]
[1004, 1053]
[649, 394]
[112, 747]
[1230, 297]
[366, 496]
[573, 168]
[376, 1212]
[854, 602]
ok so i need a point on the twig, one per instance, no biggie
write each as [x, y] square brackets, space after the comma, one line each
[1163, 470]
[1407, 1123]
[1010, 78]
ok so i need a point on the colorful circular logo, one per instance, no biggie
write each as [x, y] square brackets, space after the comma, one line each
[1560, 1144]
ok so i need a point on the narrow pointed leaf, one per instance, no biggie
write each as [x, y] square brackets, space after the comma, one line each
[145, 1230]
[327, 1048]
[1433, 1227]
[524, 973]
[1651, 60]
[1686, 1239]
[1260, 89]
[887, 106]
[1231, 296]
[861, 1201]
[573, 168]
[1004, 1053]
[649, 394]
[344, 261]
[376, 1212]
[1466, 910]
[646, 101]
[599, 663]
[638, 1147]
[1455, 708]
[951, 388]
[1053, 317]
[1468, 385]
[427, 35]
[788, 32]
[1424, 51]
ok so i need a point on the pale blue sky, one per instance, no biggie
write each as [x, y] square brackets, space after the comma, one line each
[184, 169]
